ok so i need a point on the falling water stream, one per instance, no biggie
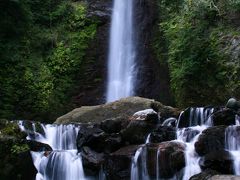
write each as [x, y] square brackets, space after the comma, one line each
[232, 144]
[121, 51]
[63, 163]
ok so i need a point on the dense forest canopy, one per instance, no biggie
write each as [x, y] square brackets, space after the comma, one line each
[43, 44]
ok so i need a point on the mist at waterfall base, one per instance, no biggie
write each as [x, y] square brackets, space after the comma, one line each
[121, 52]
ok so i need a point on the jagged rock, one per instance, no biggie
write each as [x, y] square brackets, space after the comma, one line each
[205, 175]
[38, 146]
[118, 164]
[92, 161]
[211, 139]
[171, 158]
[224, 117]
[220, 161]
[114, 125]
[137, 131]
[224, 177]
[163, 133]
[97, 140]
[123, 108]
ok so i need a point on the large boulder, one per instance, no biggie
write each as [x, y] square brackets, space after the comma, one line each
[123, 108]
[141, 124]
[118, 164]
[211, 139]
[220, 161]
[224, 117]
[92, 161]
[98, 140]
[170, 158]
[163, 133]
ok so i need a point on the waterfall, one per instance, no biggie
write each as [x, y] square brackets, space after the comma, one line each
[121, 52]
[232, 144]
[63, 163]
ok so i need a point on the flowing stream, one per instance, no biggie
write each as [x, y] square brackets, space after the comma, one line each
[63, 163]
[121, 52]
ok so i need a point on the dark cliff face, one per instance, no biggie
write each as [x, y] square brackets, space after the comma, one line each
[152, 77]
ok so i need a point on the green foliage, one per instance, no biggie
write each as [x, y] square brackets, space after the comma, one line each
[40, 55]
[194, 34]
[19, 148]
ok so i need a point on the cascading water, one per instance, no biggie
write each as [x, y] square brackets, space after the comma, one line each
[139, 163]
[121, 52]
[232, 144]
[199, 120]
[63, 163]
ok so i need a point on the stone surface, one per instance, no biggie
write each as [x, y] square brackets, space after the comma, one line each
[224, 177]
[171, 158]
[205, 175]
[118, 164]
[220, 161]
[224, 117]
[123, 108]
[163, 133]
[211, 139]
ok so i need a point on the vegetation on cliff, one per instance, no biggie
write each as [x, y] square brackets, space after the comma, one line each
[42, 46]
[200, 41]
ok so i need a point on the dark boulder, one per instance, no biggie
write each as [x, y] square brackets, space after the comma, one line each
[118, 164]
[163, 133]
[92, 161]
[225, 177]
[211, 139]
[38, 146]
[98, 140]
[220, 161]
[114, 125]
[205, 175]
[170, 158]
[224, 117]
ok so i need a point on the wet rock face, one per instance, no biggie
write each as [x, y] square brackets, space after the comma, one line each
[211, 139]
[224, 117]
[118, 164]
[171, 158]
[220, 161]
[141, 124]
[163, 133]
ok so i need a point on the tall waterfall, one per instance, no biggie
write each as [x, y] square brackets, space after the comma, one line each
[121, 52]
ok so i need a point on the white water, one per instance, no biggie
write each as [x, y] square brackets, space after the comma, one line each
[121, 52]
[232, 144]
[199, 120]
[139, 169]
[63, 163]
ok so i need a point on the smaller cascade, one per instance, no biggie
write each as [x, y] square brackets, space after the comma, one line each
[199, 120]
[232, 144]
[64, 162]
[139, 163]
[157, 166]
